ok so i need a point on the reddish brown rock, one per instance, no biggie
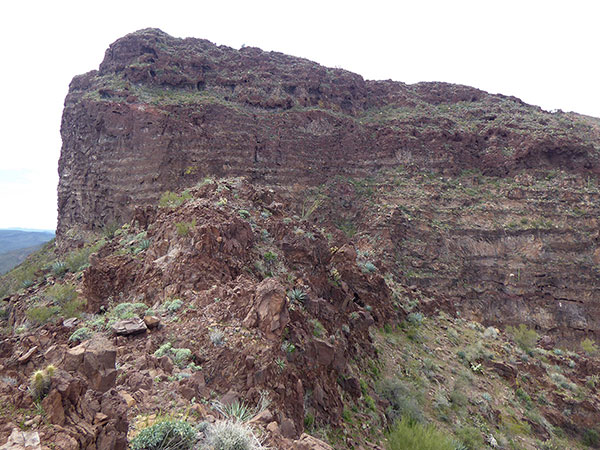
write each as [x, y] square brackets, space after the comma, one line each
[320, 116]
[55, 412]
[269, 309]
[152, 321]
[128, 327]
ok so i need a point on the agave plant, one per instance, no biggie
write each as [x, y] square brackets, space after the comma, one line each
[297, 295]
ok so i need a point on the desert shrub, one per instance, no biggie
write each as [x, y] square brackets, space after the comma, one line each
[173, 305]
[470, 437]
[41, 314]
[231, 435]
[127, 310]
[109, 230]
[404, 400]
[591, 438]
[409, 435]
[287, 347]
[144, 244]
[523, 396]
[589, 346]
[61, 294]
[59, 268]
[40, 382]
[368, 267]
[180, 356]
[172, 200]
[169, 434]
[81, 334]
[415, 318]
[490, 332]
[591, 381]
[318, 328]
[79, 259]
[474, 352]
[458, 397]
[183, 228]
[523, 336]
[244, 214]
[562, 381]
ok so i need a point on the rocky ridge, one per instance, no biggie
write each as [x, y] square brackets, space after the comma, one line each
[220, 294]
[300, 234]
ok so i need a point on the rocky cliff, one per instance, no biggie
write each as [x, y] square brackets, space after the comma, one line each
[162, 113]
[297, 234]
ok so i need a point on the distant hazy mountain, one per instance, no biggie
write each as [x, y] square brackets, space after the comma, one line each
[15, 245]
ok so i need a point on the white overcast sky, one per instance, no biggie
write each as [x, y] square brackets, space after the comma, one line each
[544, 52]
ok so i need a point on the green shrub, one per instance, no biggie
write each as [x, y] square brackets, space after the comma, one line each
[230, 435]
[368, 267]
[270, 257]
[318, 328]
[61, 294]
[524, 397]
[143, 245]
[470, 437]
[589, 347]
[172, 200]
[408, 435]
[81, 334]
[79, 259]
[173, 305]
[404, 400]
[163, 350]
[72, 308]
[523, 336]
[180, 356]
[41, 314]
[183, 228]
[167, 434]
[591, 438]
[369, 402]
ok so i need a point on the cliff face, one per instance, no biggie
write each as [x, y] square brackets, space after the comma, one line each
[162, 113]
[479, 199]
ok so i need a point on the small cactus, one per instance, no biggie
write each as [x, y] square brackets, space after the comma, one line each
[40, 382]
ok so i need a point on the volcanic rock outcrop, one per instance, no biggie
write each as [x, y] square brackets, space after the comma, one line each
[162, 113]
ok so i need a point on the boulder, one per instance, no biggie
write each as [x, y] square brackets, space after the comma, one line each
[22, 440]
[269, 309]
[55, 412]
[95, 360]
[152, 321]
[308, 442]
[27, 356]
[127, 327]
